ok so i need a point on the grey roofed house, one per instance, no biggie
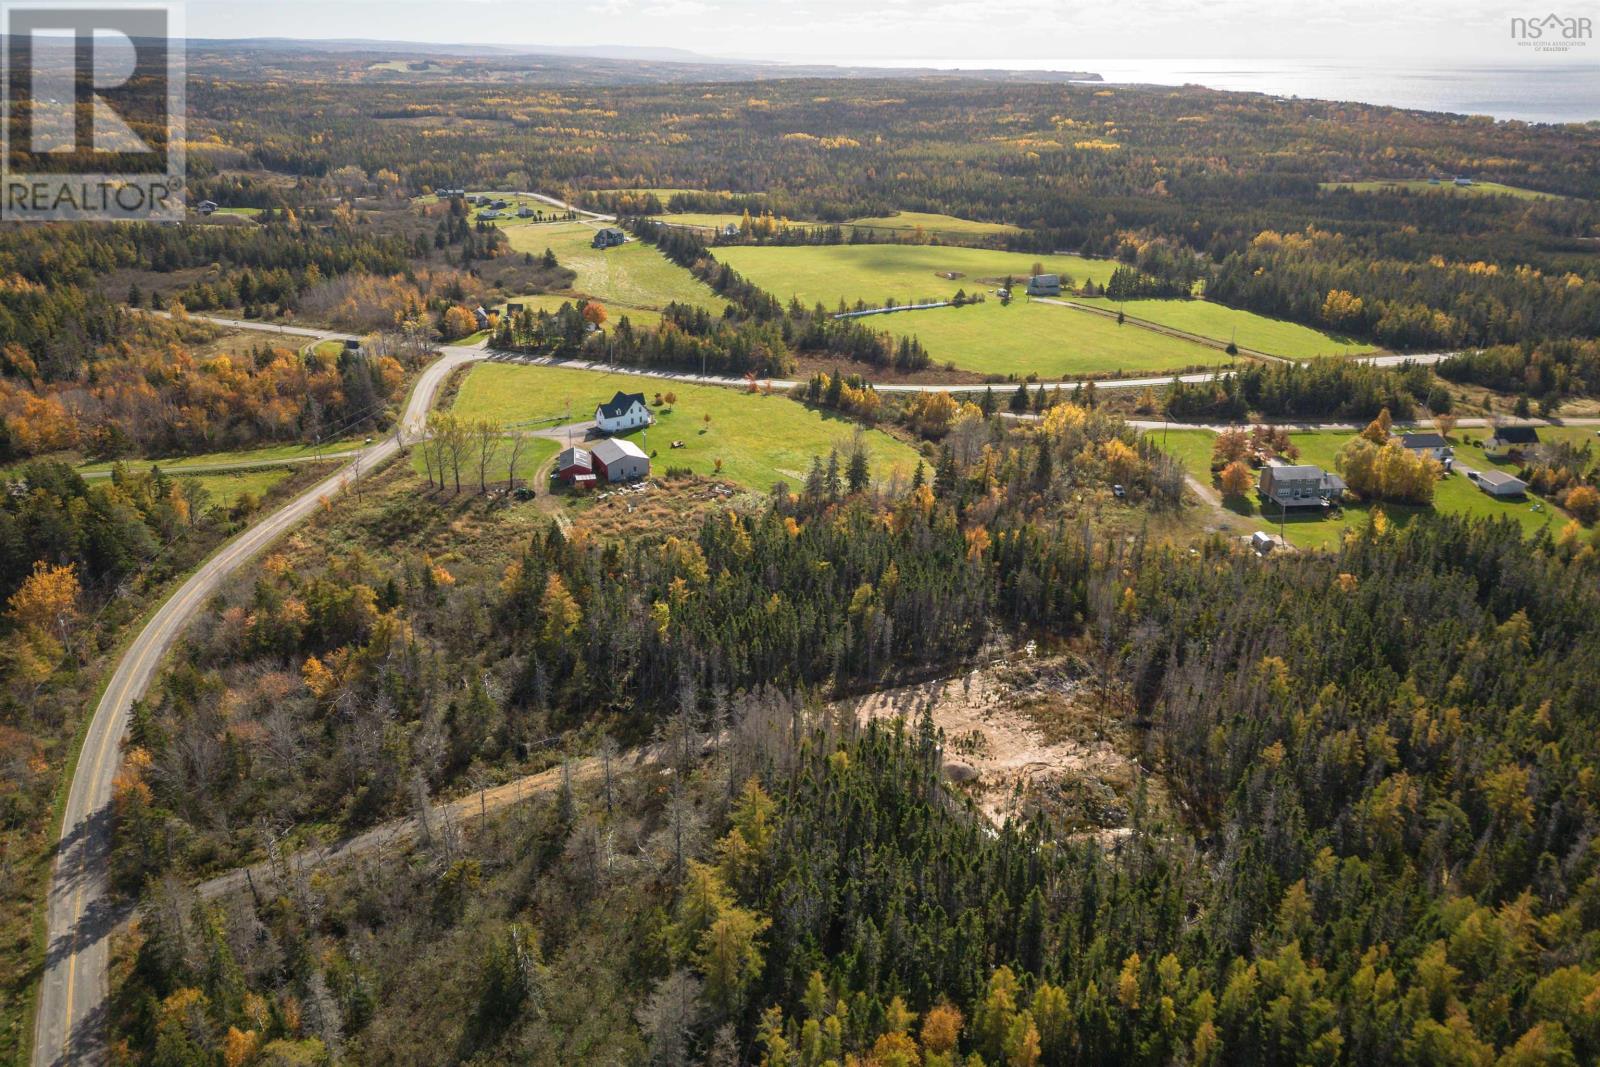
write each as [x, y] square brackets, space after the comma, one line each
[1044, 285]
[1429, 444]
[609, 237]
[1300, 485]
[619, 460]
[1499, 483]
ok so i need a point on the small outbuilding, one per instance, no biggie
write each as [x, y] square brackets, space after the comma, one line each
[619, 460]
[1502, 485]
[575, 466]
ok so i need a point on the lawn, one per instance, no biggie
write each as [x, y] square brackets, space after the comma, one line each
[535, 451]
[226, 489]
[1070, 341]
[176, 464]
[760, 439]
[1472, 454]
[1453, 495]
[633, 276]
[1423, 185]
[640, 317]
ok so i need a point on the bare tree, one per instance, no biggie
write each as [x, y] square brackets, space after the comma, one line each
[518, 444]
[669, 1016]
[485, 447]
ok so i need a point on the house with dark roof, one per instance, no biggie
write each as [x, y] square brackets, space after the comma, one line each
[1044, 285]
[609, 237]
[619, 460]
[623, 412]
[1511, 438]
[1430, 445]
[1299, 485]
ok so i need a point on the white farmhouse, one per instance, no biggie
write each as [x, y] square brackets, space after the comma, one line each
[623, 412]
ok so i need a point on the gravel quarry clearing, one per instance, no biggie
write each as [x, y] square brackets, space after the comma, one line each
[1026, 737]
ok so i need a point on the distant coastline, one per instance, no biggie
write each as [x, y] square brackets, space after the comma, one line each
[1560, 91]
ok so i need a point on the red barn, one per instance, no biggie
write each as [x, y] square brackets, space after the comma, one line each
[575, 466]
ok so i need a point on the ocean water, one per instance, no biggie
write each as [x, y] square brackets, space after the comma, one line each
[1536, 90]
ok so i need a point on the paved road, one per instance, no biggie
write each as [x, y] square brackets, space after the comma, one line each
[70, 1024]
[1152, 381]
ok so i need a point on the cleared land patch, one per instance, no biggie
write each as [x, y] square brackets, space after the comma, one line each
[759, 439]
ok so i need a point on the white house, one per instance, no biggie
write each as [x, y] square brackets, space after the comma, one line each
[1501, 484]
[623, 412]
[1044, 285]
[1430, 445]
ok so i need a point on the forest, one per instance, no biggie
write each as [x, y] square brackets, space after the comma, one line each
[1383, 762]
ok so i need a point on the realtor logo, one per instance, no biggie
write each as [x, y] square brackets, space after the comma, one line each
[1552, 33]
[91, 111]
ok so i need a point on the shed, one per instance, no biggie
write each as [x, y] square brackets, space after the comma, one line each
[575, 466]
[1500, 484]
[618, 460]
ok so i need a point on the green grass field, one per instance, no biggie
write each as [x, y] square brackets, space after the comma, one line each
[225, 489]
[943, 225]
[760, 439]
[634, 276]
[1454, 495]
[534, 453]
[243, 455]
[1473, 455]
[1249, 330]
[946, 227]
[1049, 340]
[1423, 185]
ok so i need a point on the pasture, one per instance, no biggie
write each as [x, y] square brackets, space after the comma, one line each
[931, 223]
[759, 439]
[632, 276]
[1037, 338]
[1445, 185]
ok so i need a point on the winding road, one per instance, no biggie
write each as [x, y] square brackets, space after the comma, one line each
[70, 1019]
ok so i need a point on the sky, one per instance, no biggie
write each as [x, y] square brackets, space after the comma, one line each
[1015, 32]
